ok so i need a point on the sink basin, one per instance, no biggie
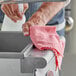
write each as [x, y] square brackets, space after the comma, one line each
[12, 44]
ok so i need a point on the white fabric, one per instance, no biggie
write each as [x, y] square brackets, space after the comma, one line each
[9, 25]
[20, 7]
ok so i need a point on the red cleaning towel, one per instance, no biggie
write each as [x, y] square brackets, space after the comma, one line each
[44, 38]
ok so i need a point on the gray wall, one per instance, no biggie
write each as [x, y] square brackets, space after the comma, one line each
[71, 36]
[69, 61]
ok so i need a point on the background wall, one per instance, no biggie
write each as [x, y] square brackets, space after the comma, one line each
[71, 36]
[69, 61]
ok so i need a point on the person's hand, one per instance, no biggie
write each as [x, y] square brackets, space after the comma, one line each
[34, 20]
[44, 14]
[12, 11]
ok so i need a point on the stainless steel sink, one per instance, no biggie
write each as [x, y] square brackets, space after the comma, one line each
[14, 45]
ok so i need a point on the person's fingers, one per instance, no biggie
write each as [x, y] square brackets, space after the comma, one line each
[14, 18]
[13, 12]
[14, 7]
[25, 31]
[16, 11]
[26, 28]
[8, 7]
[26, 6]
[5, 9]
[19, 14]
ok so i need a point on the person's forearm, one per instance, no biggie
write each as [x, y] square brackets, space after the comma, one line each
[45, 13]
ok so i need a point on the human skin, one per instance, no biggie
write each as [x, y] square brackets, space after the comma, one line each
[43, 15]
[12, 11]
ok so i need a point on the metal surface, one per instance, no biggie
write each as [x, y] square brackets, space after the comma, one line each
[51, 66]
[35, 59]
[12, 44]
[25, 1]
[28, 65]
[16, 46]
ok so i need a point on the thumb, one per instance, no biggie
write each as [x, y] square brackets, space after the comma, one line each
[26, 29]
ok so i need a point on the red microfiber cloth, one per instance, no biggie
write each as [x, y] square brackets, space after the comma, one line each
[46, 37]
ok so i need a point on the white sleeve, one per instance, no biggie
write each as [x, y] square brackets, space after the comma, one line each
[67, 2]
